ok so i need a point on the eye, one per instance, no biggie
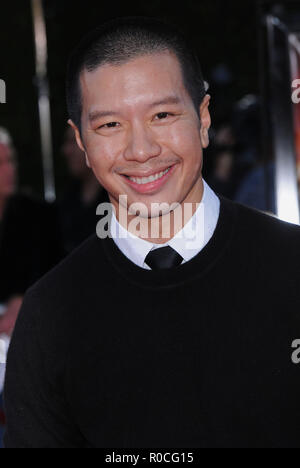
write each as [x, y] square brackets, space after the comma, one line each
[110, 125]
[163, 115]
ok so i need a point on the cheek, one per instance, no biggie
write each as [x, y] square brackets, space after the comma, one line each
[186, 143]
[102, 153]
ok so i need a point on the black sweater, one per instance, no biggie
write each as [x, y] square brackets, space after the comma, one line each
[107, 354]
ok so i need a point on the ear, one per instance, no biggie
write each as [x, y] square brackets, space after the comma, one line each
[79, 140]
[205, 121]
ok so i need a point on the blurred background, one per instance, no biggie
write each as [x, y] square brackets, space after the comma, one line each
[250, 56]
[224, 33]
[233, 41]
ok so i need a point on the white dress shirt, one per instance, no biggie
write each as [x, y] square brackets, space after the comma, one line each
[188, 242]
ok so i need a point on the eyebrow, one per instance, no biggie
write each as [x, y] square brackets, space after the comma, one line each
[167, 100]
[97, 114]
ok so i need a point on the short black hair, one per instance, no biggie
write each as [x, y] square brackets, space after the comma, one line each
[122, 39]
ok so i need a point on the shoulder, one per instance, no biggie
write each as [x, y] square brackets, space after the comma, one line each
[266, 236]
[74, 276]
[267, 224]
[253, 220]
[68, 296]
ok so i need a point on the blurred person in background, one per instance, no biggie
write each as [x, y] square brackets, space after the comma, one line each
[7, 172]
[247, 130]
[30, 243]
[8, 184]
[7, 189]
[258, 188]
[221, 175]
[254, 176]
[30, 239]
[237, 170]
[77, 207]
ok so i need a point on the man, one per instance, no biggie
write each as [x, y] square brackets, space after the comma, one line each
[148, 338]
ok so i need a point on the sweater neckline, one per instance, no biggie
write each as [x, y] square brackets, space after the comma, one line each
[194, 268]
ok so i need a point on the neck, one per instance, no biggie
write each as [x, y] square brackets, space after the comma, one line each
[161, 229]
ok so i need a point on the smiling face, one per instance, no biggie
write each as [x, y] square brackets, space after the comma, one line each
[138, 121]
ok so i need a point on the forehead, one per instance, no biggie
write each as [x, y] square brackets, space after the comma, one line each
[138, 81]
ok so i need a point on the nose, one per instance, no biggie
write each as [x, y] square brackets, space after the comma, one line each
[141, 145]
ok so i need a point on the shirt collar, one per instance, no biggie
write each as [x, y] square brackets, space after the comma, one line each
[187, 242]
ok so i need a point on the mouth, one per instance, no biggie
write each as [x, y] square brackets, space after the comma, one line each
[151, 183]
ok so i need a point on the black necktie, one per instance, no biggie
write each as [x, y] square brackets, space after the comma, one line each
[163, 257]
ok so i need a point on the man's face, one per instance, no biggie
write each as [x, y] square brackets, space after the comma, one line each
[138, 120]
[7, 172]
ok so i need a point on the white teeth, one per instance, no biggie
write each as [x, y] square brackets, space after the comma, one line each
[152, 178]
